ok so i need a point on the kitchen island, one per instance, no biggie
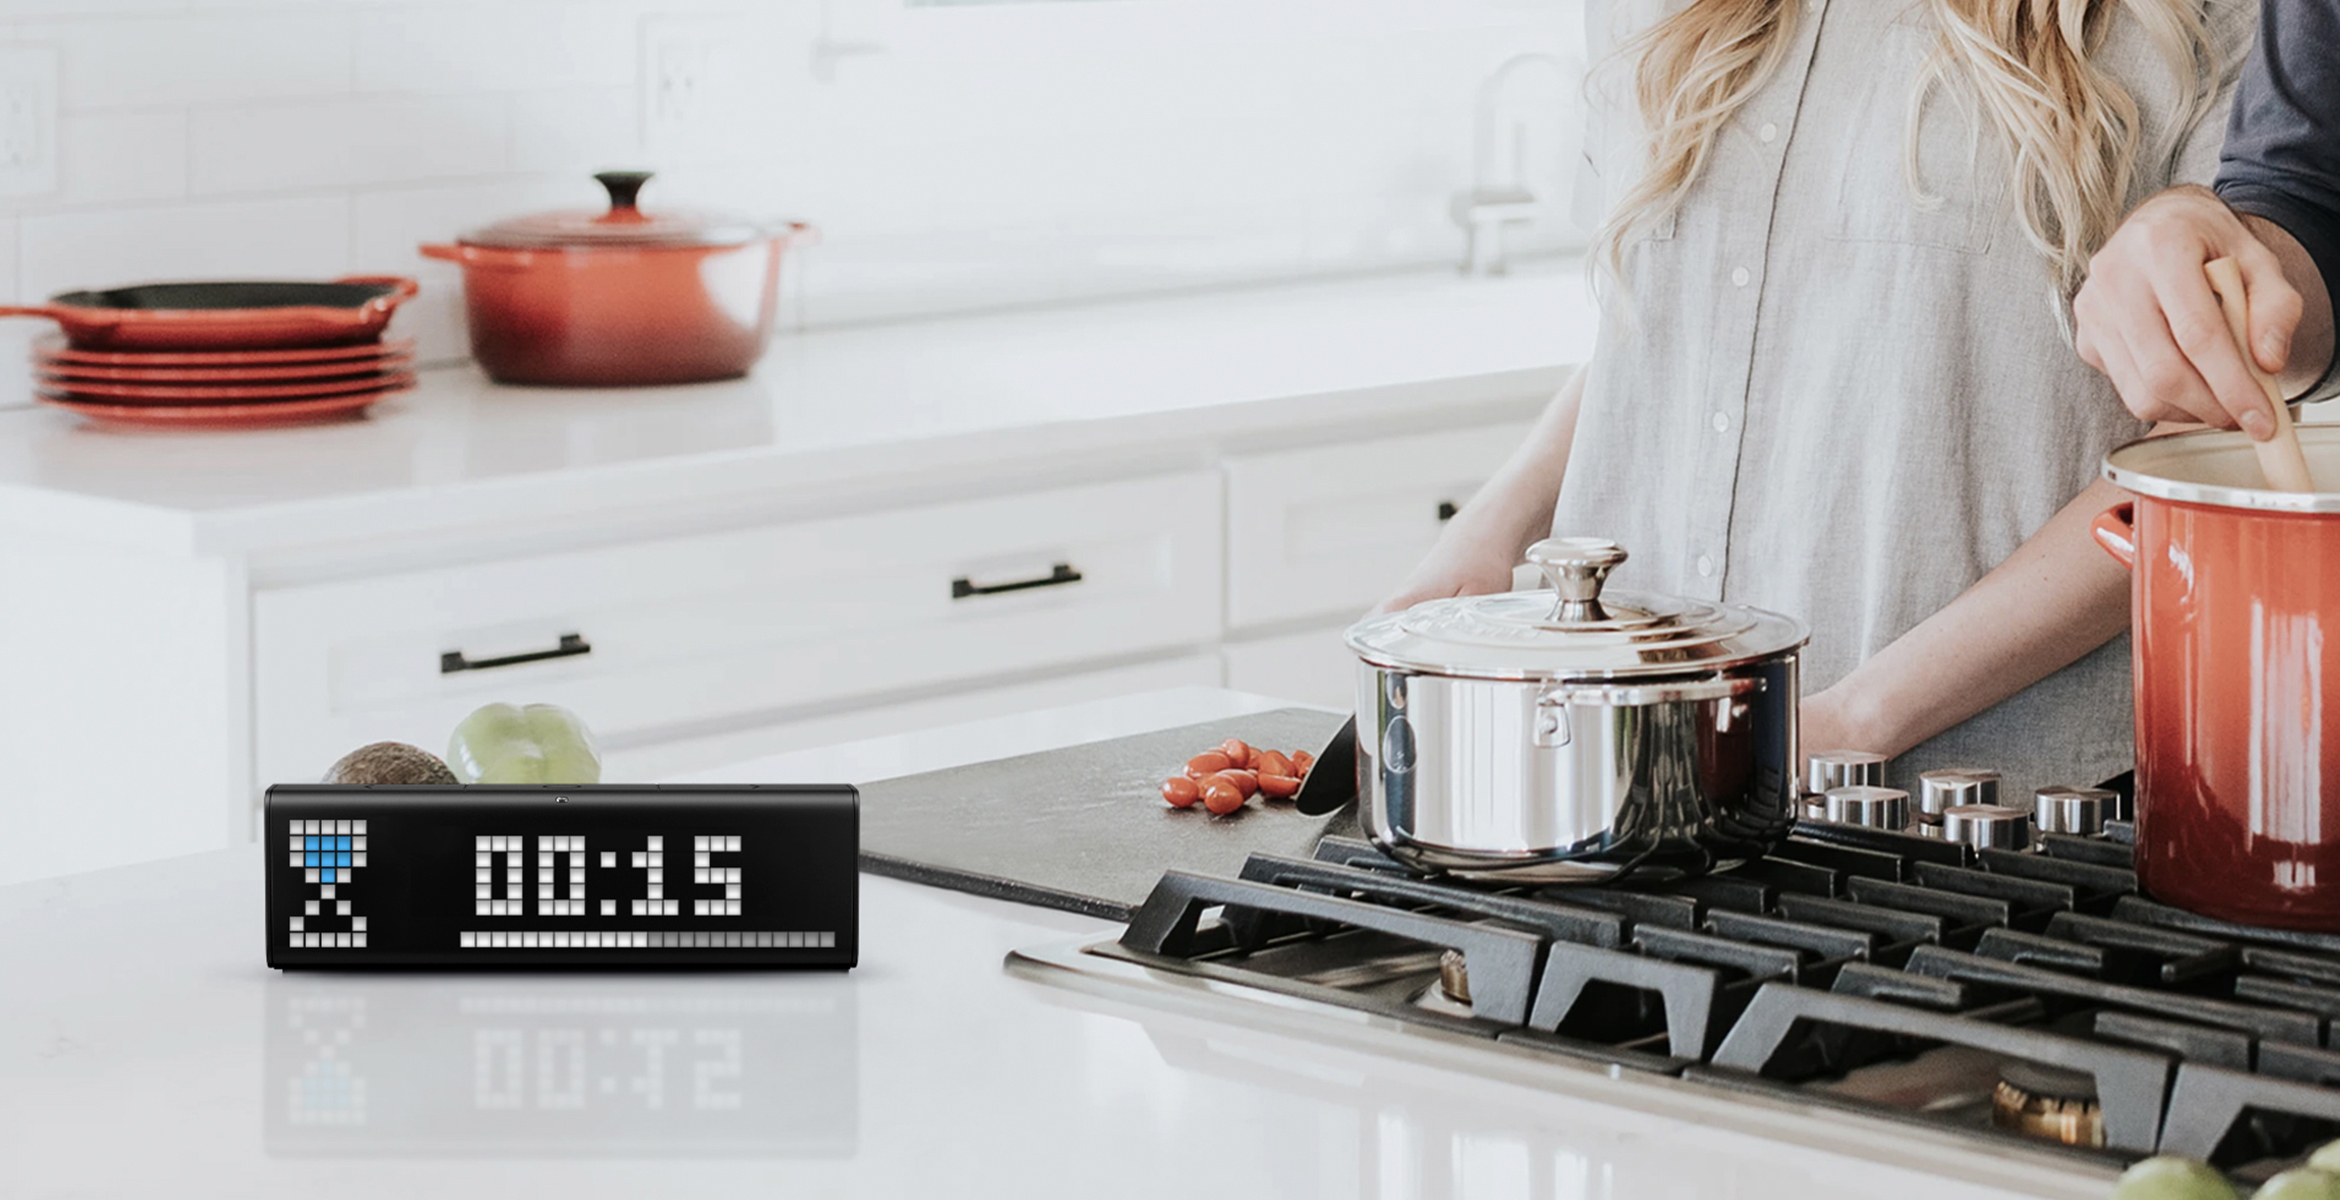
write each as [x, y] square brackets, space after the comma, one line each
[146, 1051]
[882, 528]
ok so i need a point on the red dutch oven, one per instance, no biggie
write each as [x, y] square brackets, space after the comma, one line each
[2237, 643]
[620, 297]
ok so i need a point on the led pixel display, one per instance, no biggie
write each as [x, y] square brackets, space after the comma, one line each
[504, 876]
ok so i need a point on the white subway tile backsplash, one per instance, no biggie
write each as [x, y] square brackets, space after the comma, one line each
[576, 129]
[116, 158]
[955, 157]
[147, 61]
[352, 142]
[504, 46]
[263, 239]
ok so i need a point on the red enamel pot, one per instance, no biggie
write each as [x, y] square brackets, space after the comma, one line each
[2236, 618]
[620, 297]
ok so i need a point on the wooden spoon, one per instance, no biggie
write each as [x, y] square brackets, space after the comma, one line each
[2280, 457]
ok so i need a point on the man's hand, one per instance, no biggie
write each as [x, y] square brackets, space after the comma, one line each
[2148, 319]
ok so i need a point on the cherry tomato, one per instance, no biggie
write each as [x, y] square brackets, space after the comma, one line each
[1180, 792]
[1246, 782]
[1280, 787]
[1221, 796]
[1273, 762]
[1207, 763]
[1237, 751]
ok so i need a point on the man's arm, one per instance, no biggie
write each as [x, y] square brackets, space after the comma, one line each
[2147, 318]
[2280, 168]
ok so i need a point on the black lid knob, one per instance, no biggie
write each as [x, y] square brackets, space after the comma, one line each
[623, 187]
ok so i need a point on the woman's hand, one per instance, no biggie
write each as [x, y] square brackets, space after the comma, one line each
[1475, 553]
[1824, 722]
[1463, 563]
[2058, 597]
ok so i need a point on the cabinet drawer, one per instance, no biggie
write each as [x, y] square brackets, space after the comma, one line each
[706, 628]
[728, 752]
[1328, 530]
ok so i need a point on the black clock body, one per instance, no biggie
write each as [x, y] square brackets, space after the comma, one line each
[611, 875]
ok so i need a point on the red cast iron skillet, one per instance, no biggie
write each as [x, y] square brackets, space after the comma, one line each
[225, 316]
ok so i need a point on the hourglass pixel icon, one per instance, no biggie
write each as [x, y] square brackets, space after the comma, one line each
[329, 855]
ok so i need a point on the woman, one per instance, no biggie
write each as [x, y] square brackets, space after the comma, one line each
[1833, 377]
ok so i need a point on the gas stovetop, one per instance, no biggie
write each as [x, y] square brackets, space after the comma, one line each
[2023, 1003]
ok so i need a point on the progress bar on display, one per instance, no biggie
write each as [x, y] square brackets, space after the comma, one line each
[639, 939]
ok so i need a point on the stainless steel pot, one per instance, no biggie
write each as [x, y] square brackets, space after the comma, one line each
[1568, 735]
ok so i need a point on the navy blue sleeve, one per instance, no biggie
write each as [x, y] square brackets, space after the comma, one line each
[2282, 155]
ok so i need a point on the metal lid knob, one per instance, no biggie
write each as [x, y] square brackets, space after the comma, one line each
[1575, 568]
[1828, 770]
[2076, 810]
[1987, 826]
[1955, 787]
[1873, 807]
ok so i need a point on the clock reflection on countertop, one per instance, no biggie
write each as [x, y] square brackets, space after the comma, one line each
[723, 1065]
[525, 876]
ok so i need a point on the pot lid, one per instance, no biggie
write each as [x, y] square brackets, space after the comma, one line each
[2221, 467]
[623, 223]
[1575, 630]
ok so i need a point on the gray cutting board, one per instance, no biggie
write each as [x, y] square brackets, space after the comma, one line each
[1084, 828]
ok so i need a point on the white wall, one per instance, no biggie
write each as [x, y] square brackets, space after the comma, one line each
[955, 157]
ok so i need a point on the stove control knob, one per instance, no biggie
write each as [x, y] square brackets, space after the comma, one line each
[1832, 769]
[2075, 810]
[1987, 826]
[1872, 807]
[1954, 787]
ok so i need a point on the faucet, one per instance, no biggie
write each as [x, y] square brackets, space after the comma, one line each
[1499, 197]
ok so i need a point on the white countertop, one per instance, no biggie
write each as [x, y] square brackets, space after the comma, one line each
[926, 400]
[146, 1051]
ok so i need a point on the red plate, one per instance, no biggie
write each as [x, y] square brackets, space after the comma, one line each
[220, 416]
[156, 393]
[68, 374]
[53, 348]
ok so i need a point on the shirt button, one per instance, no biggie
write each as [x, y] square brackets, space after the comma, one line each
[1722, 422]
[1768, 132]
[1739, 276]
[1705, 567]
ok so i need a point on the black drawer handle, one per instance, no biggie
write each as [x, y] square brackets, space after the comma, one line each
[1446, 511]
[1058, 576]
[572, 645]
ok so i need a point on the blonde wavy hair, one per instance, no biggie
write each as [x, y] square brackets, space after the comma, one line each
[2072, 134]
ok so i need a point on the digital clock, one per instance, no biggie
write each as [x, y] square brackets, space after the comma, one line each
[607, 875]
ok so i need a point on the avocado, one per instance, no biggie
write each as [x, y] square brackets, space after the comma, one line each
[390, 762]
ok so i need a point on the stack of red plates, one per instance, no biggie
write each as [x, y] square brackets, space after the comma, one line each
[220, 388]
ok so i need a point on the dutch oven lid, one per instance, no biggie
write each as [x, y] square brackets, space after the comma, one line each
[2221, 468]
[1572, 631]
[623, 223]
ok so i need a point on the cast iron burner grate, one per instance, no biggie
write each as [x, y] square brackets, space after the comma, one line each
[1853, 967]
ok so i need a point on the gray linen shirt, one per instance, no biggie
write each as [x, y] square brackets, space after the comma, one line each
[1819, 393]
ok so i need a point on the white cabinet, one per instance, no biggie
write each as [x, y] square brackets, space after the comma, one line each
[1325, 531]
[679, 634]
[154, 693]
